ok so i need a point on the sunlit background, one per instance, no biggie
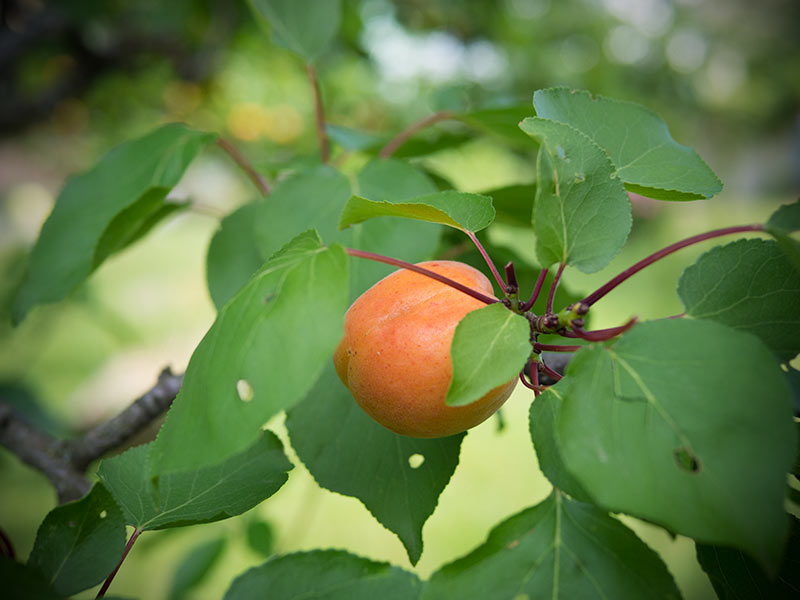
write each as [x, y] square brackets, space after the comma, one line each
[77, 77]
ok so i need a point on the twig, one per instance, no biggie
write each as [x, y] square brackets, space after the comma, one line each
[107, 583]
[604, 289]
[116, 431]
[407, 133]
[422, 271]
[536, 290]
[511, 278]
[554, 375]
[245, 165]
[600, 335]
[488, 259]
[319, 111]
[555, 348]
[64, 462]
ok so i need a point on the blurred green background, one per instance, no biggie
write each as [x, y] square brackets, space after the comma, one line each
[79, 76]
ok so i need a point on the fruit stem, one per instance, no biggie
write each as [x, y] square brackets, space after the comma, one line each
[537, 288]
[319, 112]
[257, 179]
[488, 259]
[407, 133]
[553, 286]
[110, 578]
[422, 271]
[633, 269]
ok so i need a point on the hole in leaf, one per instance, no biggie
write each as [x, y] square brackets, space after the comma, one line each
[245, 390]
[415, 461]
[103, 514]
[686, 459]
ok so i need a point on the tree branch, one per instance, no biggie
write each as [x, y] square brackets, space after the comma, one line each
[116, 431]
[64, 462]
[42, 452]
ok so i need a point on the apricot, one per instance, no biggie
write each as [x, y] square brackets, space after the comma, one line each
[394, 356]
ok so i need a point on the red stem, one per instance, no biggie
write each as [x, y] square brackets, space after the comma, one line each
[553, 374]
[110, 578]
[555, 348]
[319, 111]
[511, 278]
[407, 133]
[537, 288]
[632, 270]
[422, 271]
[488, 259]
[600, 335]
[553, 286]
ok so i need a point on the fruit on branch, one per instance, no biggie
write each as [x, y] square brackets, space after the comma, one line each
[395, 354]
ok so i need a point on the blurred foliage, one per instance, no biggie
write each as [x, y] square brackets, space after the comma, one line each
[722, 68]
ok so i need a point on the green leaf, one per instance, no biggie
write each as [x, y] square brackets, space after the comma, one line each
[314, 198]
[79, 544]
[330, 433]
[305, 27]
[105, 209]
[686, 424]
[262, 354]
[195, 567]
[749, 285]
[541, 424]
[308, 199]
[134, 223]
[233, 254]
[735, 576]
[514, 202]
[324, 574]
[409, 240]
[468, 212]
[501, 122]
[23, 581]
[581, 213]
[260, 537]
[557, 549]
[781, 225]
[638, 142]
[353, 139]
[213, 493]
[490, 346]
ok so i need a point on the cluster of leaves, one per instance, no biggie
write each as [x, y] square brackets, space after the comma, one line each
[685, 423]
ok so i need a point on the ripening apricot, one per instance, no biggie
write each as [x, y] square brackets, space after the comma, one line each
[395, 354]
